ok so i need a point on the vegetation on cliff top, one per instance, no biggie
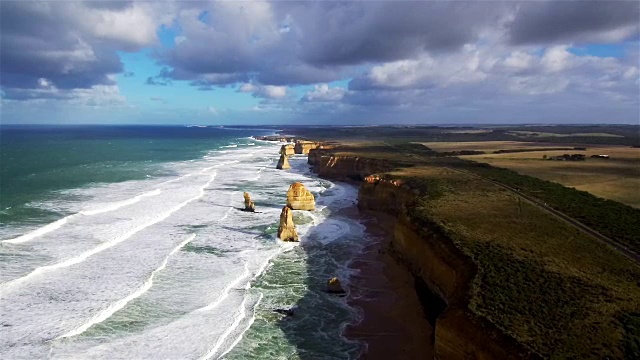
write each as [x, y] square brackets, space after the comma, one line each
[550, 286]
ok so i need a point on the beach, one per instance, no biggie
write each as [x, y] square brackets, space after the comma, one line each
[393, 324]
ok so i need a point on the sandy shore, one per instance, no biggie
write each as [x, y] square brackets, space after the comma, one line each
[394, 325]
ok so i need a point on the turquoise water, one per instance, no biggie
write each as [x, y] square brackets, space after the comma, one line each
[37, 162]
[127, 243]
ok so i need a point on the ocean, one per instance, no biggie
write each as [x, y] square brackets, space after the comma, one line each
[127, 242]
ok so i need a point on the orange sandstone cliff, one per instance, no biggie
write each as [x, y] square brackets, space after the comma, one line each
[303, 146]
[443, 272]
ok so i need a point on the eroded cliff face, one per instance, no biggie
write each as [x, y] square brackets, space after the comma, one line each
[344, 167]
[426, 250]
[303, 146]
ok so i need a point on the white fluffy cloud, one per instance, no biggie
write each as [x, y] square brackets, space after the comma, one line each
[323, 93]
[264, 91]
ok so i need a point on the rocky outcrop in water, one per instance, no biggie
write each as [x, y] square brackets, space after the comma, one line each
[248, 204]
[283, 163]
[303, 146]
[287, 149]
[334, 286]
[287, 229]
[299, 198]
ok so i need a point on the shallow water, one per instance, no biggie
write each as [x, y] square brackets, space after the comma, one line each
[168, 267]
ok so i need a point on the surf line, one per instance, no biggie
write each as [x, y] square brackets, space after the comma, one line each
[106, 313]
[253, 319]
[236, 323]
[59, 223]
[225, 292]
[82, 257]
[242, 315]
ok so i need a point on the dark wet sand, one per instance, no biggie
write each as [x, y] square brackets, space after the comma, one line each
[394, 325]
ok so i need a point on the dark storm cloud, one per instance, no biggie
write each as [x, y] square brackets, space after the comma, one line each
[291, 43]
[110, 5]
[360, 32]
[607, 21]
[61, 45]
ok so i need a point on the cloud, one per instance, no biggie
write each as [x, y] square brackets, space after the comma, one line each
[264, 91]
[73, 45]
[323, 93]
[420, 59]
[360, 32]
[305, 43]
[158, 80]
[566, 21]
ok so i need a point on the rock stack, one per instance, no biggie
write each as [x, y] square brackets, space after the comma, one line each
[334, 286]
[283, 163]
[299, 198]
[287, 149]
[248, 204]
[287, 229]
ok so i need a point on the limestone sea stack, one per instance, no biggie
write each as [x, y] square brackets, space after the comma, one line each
[248, 204]
[287, 229]
[299, 198]
[283, 163]
[287, 149]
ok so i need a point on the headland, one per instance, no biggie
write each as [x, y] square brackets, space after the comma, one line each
[504, 265]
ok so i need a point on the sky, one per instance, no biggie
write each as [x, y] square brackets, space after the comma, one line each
[319, 62]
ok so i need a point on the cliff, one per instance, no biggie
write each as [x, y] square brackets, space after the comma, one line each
[344, 167]
[432, 256]
[303, 146]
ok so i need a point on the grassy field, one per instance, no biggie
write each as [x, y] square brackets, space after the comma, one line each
[552, 287]
[616, 178]
[550, 134]
[487, 146]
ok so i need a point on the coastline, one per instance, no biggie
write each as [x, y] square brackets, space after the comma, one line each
[393, 324]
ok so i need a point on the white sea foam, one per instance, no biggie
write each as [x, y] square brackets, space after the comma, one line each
[123, 302]
[39, 232]
[230, 329]
[85, 255]
[59, 223]
[120, 204]
[251, 321]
